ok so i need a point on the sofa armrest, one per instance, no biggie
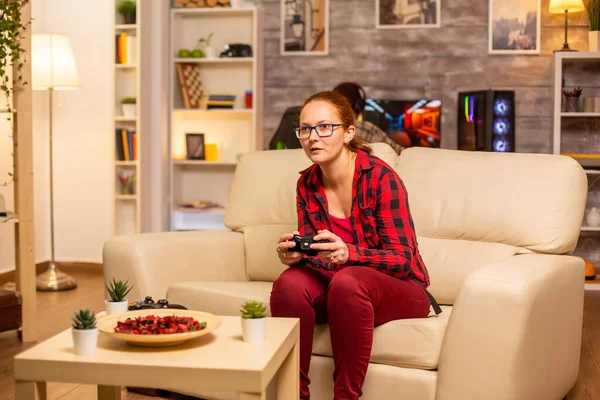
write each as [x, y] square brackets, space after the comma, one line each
[154, 261]
[515, 331]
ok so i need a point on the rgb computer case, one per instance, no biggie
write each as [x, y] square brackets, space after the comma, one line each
[486, 120]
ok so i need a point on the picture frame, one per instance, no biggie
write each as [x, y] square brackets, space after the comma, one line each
[408, 14]
[304, 27]
[500, 34]
[194, 146]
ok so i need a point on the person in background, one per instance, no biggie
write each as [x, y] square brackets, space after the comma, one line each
[366, 130]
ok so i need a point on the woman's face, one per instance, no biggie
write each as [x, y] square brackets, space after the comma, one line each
[321, 150]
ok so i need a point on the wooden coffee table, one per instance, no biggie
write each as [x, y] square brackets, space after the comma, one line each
[220, 362]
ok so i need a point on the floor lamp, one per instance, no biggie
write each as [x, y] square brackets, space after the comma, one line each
[53, 68]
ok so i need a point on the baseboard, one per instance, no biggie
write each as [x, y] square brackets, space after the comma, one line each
[67, 267]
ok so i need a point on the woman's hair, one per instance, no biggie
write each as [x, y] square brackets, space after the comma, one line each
[345, 113]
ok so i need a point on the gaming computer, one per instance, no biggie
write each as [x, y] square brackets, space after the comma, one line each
[486, 121]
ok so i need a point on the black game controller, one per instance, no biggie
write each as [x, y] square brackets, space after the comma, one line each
[303, 244]
[149, 304]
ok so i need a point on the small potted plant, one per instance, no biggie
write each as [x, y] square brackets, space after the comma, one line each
[118, 302]
[128, 104]
[85, 333]
[593, 12]
[209, 51]
[127, 9]
[253, 321]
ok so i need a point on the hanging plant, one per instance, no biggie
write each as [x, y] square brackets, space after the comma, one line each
[11, 52]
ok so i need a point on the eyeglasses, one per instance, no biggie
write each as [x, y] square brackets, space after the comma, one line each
[323, 130]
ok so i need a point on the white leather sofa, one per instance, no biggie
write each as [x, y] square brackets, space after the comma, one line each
[495, 231]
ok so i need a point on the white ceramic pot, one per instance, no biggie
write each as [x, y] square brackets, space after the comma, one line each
[594, 40]
[113, 307]
[85, 340]
[593, 217]
[253, 329]
[129, 110]
[237, 3]
[211, 52]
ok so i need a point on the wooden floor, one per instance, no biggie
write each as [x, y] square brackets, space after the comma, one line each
[55, 311]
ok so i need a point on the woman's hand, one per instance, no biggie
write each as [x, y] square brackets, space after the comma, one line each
[335, 252]
[286, 256]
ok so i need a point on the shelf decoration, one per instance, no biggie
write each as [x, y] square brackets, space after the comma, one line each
[195, 149]
[126, 145]
[127, 8]
[191, 84]
[126, 48]
[593, 12]
[127, 179]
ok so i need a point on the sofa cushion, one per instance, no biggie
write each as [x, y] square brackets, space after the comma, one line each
[449, 262]
[496, 197]
[262, 262]
[409, 343]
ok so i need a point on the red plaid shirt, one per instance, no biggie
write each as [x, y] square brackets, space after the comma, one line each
[384, 234]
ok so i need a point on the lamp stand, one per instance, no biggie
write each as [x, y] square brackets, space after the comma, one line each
[566, 44]
[53, 279]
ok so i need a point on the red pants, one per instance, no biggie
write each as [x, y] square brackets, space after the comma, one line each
[352, 300]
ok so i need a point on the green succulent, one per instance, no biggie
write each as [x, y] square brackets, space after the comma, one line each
[84, 319]
[128, 100]
[127, 7]
[118, 290]
[253, 309]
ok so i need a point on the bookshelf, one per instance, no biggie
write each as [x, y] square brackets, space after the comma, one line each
[128, 126]
[234, 131]
[575, 144]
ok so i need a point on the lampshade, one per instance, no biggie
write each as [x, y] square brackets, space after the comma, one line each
[52, 63]
[560, 6]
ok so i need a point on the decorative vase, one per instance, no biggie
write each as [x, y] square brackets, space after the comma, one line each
[593, 218]
[211, 52]
[85, 340]
[594, 40]
[116, 307]
[129, 110]
[253, 329]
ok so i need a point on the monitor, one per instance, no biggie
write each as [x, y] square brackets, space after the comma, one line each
[408, 122]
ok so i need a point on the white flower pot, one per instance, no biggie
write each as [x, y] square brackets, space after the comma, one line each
[211, 52]
[85, 340]
[113, 307]
[129, 110]
[253, 329]
[237, 3]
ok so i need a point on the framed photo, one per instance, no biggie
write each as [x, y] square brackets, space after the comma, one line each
[408, 14]
[514, 27]
[194, 146]
[304, 27]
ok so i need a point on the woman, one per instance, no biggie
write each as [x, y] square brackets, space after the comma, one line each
[370, 272]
